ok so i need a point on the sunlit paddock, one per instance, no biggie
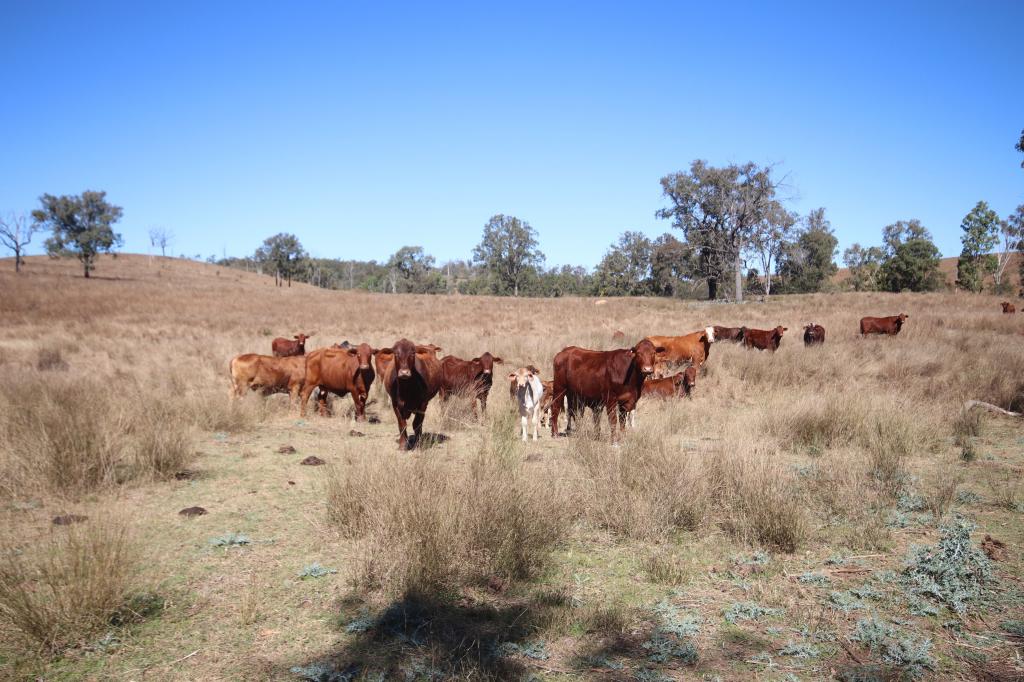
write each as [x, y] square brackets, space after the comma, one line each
[476, 555]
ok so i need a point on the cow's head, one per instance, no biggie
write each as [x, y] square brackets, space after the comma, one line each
[486, 363]
[1006, 306]
[779, 331]
[644, 356]
[710, 333]
[301, 339]
[522, 376]
[689, 379]
[903, 317]
[404, 352]
[364, 353]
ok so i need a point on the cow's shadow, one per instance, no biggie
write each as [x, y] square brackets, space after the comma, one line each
[427, 440]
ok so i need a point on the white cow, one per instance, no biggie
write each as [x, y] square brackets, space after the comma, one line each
[528, 393]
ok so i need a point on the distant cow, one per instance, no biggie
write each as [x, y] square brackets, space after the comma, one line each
[763, 339]
[475, 376]
[692, 349]
[814, 334]
[340, 371]
[529, 395]
[1008, 308]
[676, 386]
[882, 325]
[267, 374]
[612, 379]
[734, 334]
[284, 348]
[412, 377]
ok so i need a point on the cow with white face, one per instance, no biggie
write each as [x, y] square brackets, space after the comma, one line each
[528, 394]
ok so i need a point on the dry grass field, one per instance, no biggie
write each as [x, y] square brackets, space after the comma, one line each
[815, 513]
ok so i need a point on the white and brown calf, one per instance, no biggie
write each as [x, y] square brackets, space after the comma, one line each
[528, 393]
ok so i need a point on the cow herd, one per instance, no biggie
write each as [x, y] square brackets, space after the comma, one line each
[412, 374]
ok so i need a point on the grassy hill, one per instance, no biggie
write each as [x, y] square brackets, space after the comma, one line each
[759, 530]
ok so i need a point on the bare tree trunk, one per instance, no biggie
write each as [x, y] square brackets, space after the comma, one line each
[17, 259]
[739, 278]
[712, 288]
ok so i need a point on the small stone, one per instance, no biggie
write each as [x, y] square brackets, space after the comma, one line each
[68, 519]
[312, 461]
[291, 482]
[372, 419]
[186, 475]
[356, 434]
[286, 450]
[192, 512]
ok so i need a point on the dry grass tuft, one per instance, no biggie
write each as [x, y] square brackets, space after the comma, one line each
[429, 527]
[60, 592]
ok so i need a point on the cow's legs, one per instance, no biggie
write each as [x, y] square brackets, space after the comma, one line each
[523, 420]
[536, 418]
[556, 407]
[612, 410]
[403, 438]
[306, 392]
[417, 427]
[359, 399]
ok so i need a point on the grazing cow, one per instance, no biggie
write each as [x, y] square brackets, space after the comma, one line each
[340, 371]
[412, 377]
[613, 379]
[267, 374]
[284, 348]
[734, 334]
[763, 339]
[692, 349]
[529, 395]
[882, 325]
[1008, 308]
[474, 375]
[814, 334]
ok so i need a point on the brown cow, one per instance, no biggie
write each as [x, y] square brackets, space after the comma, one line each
[267, 374]
[381, 361]
[613, 379]
[340, 371]
[814, 334]
[283, 348]
[411, 378]
[763, 339]
[474, 375]
[734, 334]
[882, 325]
[690, 349]
[675, 386]
[1008, 308]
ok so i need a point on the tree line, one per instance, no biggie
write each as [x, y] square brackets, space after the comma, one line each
[735, 236]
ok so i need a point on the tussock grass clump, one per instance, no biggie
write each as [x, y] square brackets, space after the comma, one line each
[62, 591]
[51, 360]
[73, 436]
[642, 489]
[429, 527]
[757, 497]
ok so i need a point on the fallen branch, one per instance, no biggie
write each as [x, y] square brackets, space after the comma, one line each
[990, 407]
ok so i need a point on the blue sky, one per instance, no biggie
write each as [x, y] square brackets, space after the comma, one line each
[365, 127]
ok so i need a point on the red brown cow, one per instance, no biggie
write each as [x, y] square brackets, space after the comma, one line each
[1008, 308]
[882, 325]
[381, 361]
[340, 371]
[284, 348]
[474, 375]
[763, 339]
[692, 349]
[814, 334]
[267, 374]
[734, 334]
[612, 379]
[412, 378]
[676, 386]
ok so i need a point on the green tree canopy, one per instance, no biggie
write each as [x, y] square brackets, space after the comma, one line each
[509, 251]
[671, 266]
[282, 253]
[411, 270]
[864, 265]
[980, 236]
[718, 210]
[82, 226]
[903, 231]
[625, 269]
[808, 264]
[914, 267]
[1020, 146]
